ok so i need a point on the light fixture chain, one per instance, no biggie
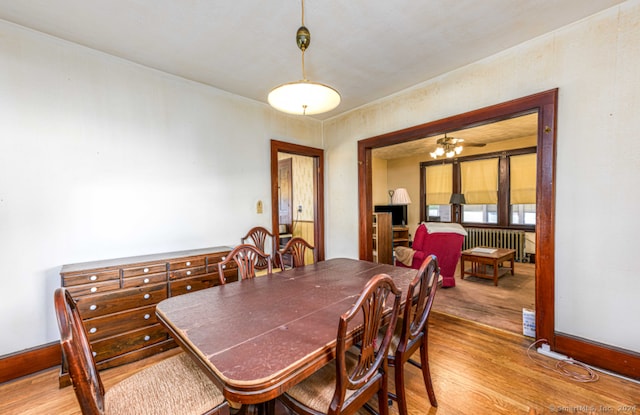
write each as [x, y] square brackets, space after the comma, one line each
[302, 12]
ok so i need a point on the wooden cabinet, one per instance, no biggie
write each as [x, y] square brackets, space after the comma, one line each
[117, 300]
[400, 236]
[382, 238]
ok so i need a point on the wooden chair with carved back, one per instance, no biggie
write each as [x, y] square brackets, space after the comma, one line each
[246, 257]
[293, 253]
[175, 385]
[347, 383]
[412, 332]
[258, 236]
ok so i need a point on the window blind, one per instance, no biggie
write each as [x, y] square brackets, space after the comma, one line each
[480, 181]
[522, 170]
[439, 183]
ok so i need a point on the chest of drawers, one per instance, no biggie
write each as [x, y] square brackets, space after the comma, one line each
[117, 298]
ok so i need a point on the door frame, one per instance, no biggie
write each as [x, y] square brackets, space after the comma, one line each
[545, 103]
[318, 185]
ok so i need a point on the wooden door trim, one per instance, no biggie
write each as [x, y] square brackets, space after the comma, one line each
[318, 198]
[545, 103]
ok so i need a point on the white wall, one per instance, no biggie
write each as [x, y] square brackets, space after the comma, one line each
[594, 63]
[102, 158]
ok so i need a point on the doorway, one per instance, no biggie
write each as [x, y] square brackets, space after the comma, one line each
[545, 103]
[297, 199]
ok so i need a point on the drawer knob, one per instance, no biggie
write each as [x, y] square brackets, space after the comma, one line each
[147, 296]
[94, 289]
[188, 288]
[188, 263]
[93, 330]
[93, 307]
[146, 280]
[188, 272]
[94, 354]
[93, 277]
[224, 267]
[145, 270]
[147, 316]
[147, 338]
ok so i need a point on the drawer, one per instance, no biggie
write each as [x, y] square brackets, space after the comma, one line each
[188, 272]
[187, 263]
[133, 340]
[94, 288]
[212, 261]
[144, 270]
[144, 280]
[92, 306]
[119, 323]
[187, 285]
[69, 280]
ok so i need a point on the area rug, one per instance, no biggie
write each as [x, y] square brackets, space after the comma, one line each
[477, 299]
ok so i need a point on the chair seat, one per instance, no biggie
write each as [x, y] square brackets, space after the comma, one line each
[174, 386]
[316, 391]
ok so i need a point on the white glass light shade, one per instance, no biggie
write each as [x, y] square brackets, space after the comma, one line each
[400, 197]
[304, 98]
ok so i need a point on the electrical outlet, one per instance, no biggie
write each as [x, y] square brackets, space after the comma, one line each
[299, 208]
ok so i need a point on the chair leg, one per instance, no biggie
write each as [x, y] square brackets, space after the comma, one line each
[426, 372]
[400, 393]
[383, 408]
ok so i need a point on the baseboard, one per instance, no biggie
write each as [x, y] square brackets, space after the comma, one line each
[620, 361]
[30, 361]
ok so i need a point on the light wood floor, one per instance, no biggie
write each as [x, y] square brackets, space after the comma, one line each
[476, 370]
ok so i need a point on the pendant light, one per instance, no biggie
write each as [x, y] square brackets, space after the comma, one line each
[303, 97]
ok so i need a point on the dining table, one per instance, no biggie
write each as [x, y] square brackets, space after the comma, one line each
[257, 337]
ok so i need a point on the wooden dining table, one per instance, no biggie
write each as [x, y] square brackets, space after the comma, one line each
[256, 338]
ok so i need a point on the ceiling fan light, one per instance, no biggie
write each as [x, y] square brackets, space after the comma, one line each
[450, 154]
[458, 149]
[304, 98]
[439, 151]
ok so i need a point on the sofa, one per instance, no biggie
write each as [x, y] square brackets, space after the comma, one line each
[444, 240]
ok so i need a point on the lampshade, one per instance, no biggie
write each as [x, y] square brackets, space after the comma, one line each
[304, 98]
[400, 197]
[457, 199]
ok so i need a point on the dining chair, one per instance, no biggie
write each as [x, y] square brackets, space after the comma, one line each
[246, 257]
[345, 385]
[294, 251]
[412, 332]
[258, 237]
[175, 385]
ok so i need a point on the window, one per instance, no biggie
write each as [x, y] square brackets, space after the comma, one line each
[499, 188]
[439, 184]
[522, 198]
[479, 184]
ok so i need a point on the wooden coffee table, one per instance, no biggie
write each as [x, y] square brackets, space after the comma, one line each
[487, 262]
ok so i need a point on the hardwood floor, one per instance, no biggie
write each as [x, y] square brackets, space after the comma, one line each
[476, 370]
[477, 299]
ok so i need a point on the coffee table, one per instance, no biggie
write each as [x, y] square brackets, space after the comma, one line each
[487, 262]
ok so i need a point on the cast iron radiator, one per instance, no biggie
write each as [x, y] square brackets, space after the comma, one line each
[496, 238]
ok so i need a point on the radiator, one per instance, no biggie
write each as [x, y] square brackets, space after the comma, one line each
[496, 238]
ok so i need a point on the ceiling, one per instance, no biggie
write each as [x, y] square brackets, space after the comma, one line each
[366, 49]
[525, 126]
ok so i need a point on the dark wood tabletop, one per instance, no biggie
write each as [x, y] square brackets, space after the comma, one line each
[258, 337]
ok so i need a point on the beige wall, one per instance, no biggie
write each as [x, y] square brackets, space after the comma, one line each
[594, 63]
[102, 158]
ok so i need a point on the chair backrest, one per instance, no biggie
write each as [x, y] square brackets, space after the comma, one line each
[258, 237]
[369, 374]
[77, 353]
[296, 248]
[246, 257]
[419, 300]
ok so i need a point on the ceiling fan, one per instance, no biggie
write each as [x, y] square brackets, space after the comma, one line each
[451, 146]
